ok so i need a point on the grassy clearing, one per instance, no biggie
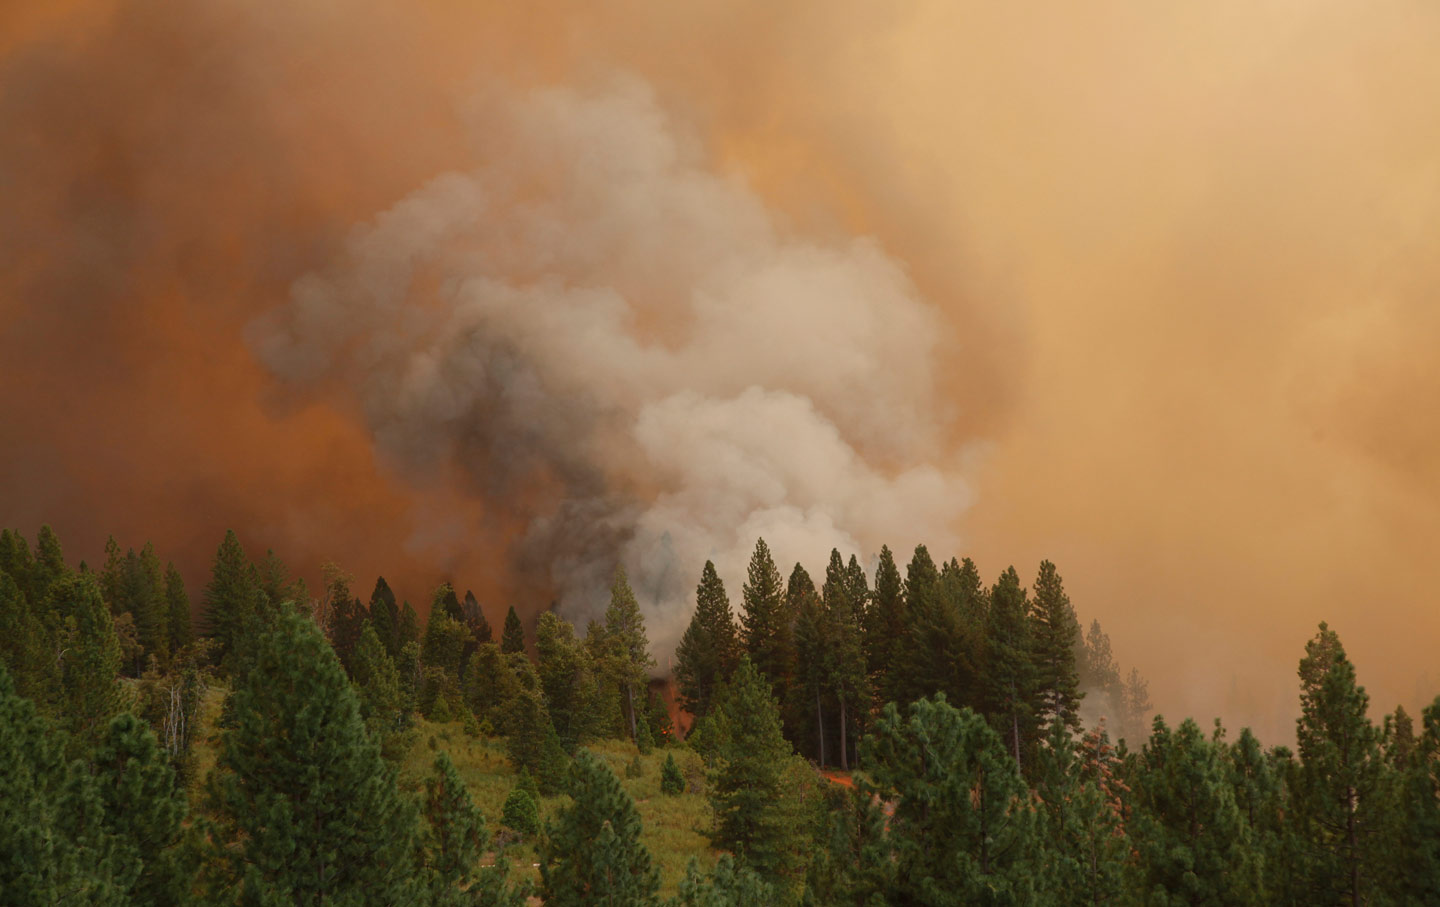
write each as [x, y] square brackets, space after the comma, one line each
[674, 825]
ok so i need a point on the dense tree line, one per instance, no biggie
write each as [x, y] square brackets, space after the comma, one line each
[978, 721]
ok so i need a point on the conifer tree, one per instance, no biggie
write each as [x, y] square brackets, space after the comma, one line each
[1417, 857]
[533, 743]
[457, 835]
[49, 567]
[444, 599]
[229, 600]
[143, 811]
[512, 639]
[475, 619]
[726, 886]
[177, 607]
[709, 648]
[1055, 633]
[54, 848]
[1135, 699]
[1009, 668]
[1086, 845]
[1342, 788]
[591, 854]
[627, 647]
[307, 810]
[765, 630]
[963, 830]
[885, 628]
[385, 615]
[521, 814]
[1193, 843]
[671, 781]
[848, 681]
[566, 678]
[382, 700]
[90, 696]
[24, 645]
[924, 655]
[814, 651]
[16, 560]
[749, 790]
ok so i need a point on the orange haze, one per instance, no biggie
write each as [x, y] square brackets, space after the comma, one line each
[1183, 255]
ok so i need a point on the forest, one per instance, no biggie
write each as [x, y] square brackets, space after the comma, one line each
[912, 737]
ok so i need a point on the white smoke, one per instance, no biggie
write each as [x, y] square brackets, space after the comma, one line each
[597, 309]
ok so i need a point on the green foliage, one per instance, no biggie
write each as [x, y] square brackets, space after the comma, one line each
[963, 830]
[592, 853]
[382, 700]
[229, 600]
[533, 743]
[54, 846]
[886, 626]
[1055, 634]
[568, 681]
[727, 886]
[626, 660]
[634, 768]
[306, 810]
[143, 811]
[512, 637]
[765, 628]
[750, 791]
[457, 835]
[671, 780]
[385, 616]
[177, 606]
[1010, 676]
[89, 695]
[709, 648]
[24, 644]
[1087, 848]
[521, 813]
[1193, 843]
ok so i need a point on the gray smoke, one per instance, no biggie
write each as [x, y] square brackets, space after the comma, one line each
[621, 349]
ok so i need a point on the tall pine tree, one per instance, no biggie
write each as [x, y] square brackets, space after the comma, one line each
[709, 649]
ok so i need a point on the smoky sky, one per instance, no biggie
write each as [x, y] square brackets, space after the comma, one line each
[466, 290]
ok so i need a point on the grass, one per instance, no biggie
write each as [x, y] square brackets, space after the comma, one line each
[673, 825]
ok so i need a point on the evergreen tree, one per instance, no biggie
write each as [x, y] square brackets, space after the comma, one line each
[709, 649]
[143, 811]
[885, 627]
[457, 835]
[627, 647]
[963, 831]
[1086, 845]
[566, 679]
[814, 651]
[307, 810]
[16, 561]
[1010, 671]
[489, 684]
[54, 848]
[475, 619]
[177, 607]
[533, 743]
[229, 600]
[382, 699]
[1100, 679]
[521, 814]
[446, 601]
[764, 628]
[1417, 857]
[385, 615]
[591, 854]
[726, 886]
[90, 664]
[24, 644]
[1343, 784]
[1193, 843]
[408, 628]
[49, 567]
[671, 781]
[749, 790]
[1055, 633]
[1135, 699]
[847, 679]
[512, 639]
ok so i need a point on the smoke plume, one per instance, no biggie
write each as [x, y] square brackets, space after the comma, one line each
[627, 352]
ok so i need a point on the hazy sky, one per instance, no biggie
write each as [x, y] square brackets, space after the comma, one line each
[1165, 273]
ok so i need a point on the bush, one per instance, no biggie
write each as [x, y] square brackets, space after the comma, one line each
[521, 815]
[671, 781]
[633, 768]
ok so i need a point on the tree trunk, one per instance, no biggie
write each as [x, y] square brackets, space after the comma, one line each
[820, 724]
[630, 694]
[1354, 849]
[844, 762]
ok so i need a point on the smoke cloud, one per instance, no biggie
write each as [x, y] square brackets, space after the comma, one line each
[624, 350]
[503, 292]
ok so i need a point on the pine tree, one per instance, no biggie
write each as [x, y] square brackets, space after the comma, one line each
[1417, 856]
[24, 645]
[709, 649]
[382, 700]
[923, 659]
[1343, 786]
[307, 810]
[1100, 679]
[591, 854]
[765, 631]
[814, 650]
[749, 790]
[385, 615]
[1086, 846]
[177, 607]
[49, 567]
[54, 849]
[1193, 843]
[726, 886]
[627, 647]
[848, 681]
[963, 830]
[671, 781]
[90, 665]
[521, 814]
[475, 619]
[885, 627]
[533, 744]
[445, 600]
[229, 600]
[1055, 633]
[1010, 670]
[16, 560]
[566, 678]
[1135, 699]
[512, 639]
[143, 811]
[457, 835]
